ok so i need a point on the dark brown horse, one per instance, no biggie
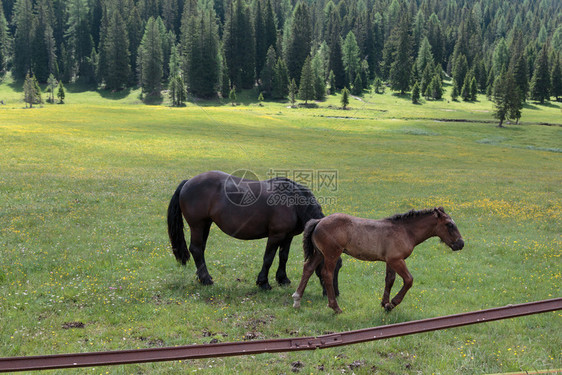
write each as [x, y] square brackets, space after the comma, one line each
[390, 240]
[246, 209]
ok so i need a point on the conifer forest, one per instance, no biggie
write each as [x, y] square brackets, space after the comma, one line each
[212, 47]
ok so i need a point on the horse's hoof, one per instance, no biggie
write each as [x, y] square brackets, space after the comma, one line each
[265, 286]
[284, 281]
[388, 307]
[206, 281]
[337, 310]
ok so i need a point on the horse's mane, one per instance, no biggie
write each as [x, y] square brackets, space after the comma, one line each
[410, 215]
[308, 208]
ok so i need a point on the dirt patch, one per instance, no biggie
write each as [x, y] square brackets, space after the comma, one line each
[72, 325]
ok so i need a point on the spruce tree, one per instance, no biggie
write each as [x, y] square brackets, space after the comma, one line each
[51, 85]
[556, 78]
[306, 87]
[351, 59]
[425, 57]
[506, 98]
[61, 94]
[5, 42]
[401, 67]
[268, 72]
[80, 41]
[335, 64]
[344, 98]
[299, 42]
[23, 37]
[416, 93]
[150, 57]
[540, 83]
[117, 69]
[280, 80]
[293, 91]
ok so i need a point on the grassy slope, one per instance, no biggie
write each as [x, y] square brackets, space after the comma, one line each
[83, 193]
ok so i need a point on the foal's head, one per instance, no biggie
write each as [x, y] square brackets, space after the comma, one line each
[447, 230]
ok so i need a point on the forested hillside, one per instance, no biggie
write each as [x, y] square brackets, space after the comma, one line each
[209, 47]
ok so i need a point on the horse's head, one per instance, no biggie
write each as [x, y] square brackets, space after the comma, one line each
[447, 230]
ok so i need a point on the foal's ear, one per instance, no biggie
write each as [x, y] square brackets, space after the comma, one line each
[438, 212]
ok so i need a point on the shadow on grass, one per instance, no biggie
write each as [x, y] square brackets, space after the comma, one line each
[153, 99]
[113, 94]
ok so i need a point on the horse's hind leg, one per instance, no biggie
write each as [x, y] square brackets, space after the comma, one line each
[389, 281]
[273, 243]
[308, 269]
[328, 277]
[281, 275]
[199, 235]
[336, 277]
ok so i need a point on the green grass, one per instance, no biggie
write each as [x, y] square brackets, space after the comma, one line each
[84, 189]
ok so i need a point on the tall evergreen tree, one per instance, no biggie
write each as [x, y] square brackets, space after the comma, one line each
[80, 41]
[117, 69]
[23, 20]
[280, 80]
[436, 39]
[540, 83]
[506, 98]
[306, 87]
[239, 46]
[300, 41]
[334, 43]
[351, 59]
[5, 42]
[268, 72]
[556, 78]
[401, 67]
[151, 59]
[425, 57]
[44, 60]
[260, 39]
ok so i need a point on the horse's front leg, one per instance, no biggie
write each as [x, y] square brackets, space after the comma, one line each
[389, 282]
[400, 267]
[281, 275]
[273, 243]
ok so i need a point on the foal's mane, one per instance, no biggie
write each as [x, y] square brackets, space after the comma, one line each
[412, 214]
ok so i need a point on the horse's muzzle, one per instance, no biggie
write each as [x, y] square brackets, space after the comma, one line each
[457, 245]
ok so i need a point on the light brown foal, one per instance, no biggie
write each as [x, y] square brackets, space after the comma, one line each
[390, 240]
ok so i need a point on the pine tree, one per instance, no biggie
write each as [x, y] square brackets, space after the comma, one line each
[466, 92]
[5, 42]
[556, 78]
[299, 42]
[506, 98]
[401, 67]
[351, 59]
[306, 87]
[29, 91]
[416, 93]
[335, 64]
[344, 98]
[460, 70]
[239, 46]
[268, 73]
[425, 57]
[80, 41]
[51, 85]
[540, 83]
[150, 57]
[280, 80]
[293, 90]
[436, 87]
[232, 96]
[117, 69]
[61, 94]
[473, 89]
[23, 37]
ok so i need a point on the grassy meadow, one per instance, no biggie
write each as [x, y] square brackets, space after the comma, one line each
[85, 263]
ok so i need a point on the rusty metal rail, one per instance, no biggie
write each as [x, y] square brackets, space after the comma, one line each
[276, 345]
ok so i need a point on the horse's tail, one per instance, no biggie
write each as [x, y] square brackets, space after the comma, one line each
[175, 227]
[307, 244]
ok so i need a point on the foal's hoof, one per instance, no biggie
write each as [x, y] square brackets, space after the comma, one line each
[336, 309]
[388, 307]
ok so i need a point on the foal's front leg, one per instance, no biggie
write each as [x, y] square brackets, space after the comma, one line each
[389, 282]
[400, 267]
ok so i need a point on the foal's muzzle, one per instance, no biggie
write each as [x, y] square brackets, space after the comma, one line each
[457, 245]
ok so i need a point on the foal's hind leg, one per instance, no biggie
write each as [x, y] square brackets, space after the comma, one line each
[198, 241]
[308, 269]
[281, 275]
[389, 281]
[336, 277]
[328, 277]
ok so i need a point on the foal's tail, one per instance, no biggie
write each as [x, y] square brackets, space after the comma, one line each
[175, 227]
[307, 244]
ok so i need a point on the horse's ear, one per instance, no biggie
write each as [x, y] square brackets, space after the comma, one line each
[440, 208]
[438, 211]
